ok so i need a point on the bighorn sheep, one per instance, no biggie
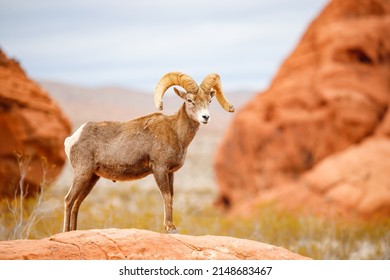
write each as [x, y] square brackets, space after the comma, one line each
[154, 144]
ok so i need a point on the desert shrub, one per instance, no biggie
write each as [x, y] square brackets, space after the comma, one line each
[20, 215]
[194, 214]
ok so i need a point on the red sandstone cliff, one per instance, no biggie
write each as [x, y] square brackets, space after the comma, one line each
[32, 128]
[318, 137]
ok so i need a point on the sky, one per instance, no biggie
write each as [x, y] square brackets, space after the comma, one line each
[133, 43]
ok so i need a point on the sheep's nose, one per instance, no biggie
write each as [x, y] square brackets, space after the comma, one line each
[206, 117]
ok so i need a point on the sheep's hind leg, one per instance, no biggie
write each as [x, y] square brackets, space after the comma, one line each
[82, 186]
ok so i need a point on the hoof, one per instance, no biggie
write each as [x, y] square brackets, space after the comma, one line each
[171, 230]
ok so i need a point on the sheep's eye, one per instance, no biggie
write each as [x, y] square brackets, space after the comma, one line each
[190, 101]
[210, 100]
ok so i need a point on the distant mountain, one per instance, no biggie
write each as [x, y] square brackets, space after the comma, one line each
[82, 104]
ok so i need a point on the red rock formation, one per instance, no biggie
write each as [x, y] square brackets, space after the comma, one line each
[135, 244]
[32, 130]
[332, 92]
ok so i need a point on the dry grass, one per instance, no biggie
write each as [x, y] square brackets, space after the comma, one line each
[139, 205]
[194, 214]
[20, 215]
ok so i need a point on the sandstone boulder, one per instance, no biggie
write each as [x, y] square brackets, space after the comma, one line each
[32, 131]
[135, 244]
[329, 97]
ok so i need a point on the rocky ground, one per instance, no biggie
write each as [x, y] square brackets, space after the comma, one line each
[135, 244]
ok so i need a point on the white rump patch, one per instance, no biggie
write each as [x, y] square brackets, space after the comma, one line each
[71, 140]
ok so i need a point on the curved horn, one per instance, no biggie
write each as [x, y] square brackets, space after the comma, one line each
[214, 81]
[171, 79]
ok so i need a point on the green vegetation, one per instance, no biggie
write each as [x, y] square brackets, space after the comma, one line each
[195, 214]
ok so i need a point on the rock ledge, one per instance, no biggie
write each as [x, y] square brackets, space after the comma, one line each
[136, 244]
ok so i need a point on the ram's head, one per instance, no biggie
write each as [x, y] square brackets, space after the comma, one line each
[197, 98]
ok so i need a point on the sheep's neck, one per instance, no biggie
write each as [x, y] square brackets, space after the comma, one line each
[186, 127]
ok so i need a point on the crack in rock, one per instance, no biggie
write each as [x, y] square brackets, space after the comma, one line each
[187, 244]
[52, 239]
[238, 254]
[100, 248]
[123, 255]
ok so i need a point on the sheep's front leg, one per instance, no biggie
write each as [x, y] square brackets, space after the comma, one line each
[164, 180]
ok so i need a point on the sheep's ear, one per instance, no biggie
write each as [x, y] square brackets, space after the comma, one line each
[180, 93]
[212, 93]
